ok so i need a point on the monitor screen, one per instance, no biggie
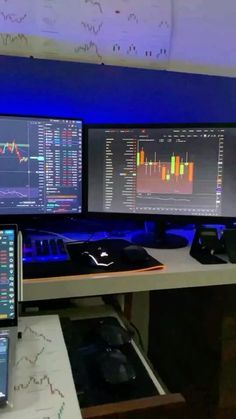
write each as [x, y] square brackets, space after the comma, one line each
[171, 170]
[8, 274]
[40, 165]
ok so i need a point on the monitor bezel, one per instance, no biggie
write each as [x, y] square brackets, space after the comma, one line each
[37, 217]
[171, 218]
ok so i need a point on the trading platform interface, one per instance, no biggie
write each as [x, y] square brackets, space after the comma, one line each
[7, 274]
[182, 171]
[40, 165]
[4, 343]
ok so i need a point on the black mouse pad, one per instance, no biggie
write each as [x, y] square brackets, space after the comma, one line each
[114, 247]
[84, 349]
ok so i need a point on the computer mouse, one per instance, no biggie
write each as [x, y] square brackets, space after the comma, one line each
[134, 254]
[115, 368]
[113, 335]
[97, 257]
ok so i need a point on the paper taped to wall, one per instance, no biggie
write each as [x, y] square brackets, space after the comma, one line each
[115, 32]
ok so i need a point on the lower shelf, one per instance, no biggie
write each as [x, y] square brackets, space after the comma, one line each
[145, 398]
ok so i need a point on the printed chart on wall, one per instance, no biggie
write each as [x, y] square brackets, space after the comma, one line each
[115, 32]
[43, 383]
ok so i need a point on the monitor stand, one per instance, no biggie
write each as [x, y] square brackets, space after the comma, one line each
[155, 236]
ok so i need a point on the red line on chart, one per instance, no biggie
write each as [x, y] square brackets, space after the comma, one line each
[12, 147]
[39, 382]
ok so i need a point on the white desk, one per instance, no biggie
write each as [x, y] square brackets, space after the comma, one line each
[181, 271]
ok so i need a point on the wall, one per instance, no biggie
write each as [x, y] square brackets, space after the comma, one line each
[203, 37]
[113, 94]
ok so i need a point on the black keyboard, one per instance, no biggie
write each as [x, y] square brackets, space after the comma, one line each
[45, 256]
[44, 249]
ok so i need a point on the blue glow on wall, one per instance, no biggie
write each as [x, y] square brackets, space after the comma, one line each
[99, 93]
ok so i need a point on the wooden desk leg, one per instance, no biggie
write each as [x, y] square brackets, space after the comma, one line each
[128, 300]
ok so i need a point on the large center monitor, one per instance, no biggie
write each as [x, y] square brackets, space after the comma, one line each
[40, 165]
[170, 170]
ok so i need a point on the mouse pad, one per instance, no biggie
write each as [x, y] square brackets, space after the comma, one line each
[84, 349]
[114, 248]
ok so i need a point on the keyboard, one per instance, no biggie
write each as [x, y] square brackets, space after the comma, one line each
[45, 256]
[44, 249]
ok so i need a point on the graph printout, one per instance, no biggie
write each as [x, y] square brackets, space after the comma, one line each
[117, 32]
[43, 383]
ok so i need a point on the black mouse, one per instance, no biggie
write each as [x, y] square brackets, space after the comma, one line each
[115, 367]
[113, 335]
[134, 254]
[97, 258]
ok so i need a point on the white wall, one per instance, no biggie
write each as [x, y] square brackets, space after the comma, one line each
[204, 37]
[197, 36]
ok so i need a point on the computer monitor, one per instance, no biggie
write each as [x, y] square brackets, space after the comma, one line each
[171, 171]
[8, 275]
[40, 165]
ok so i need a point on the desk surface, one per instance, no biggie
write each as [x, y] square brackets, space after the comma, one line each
[181, 271]
[43, 384]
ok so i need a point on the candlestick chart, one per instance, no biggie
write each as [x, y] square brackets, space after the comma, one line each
[174, 175]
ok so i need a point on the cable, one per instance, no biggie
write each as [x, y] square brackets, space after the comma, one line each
[112, 301]
[138, 334]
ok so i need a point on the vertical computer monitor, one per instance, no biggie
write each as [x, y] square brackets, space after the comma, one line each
[40, 165]
[162, 170]
[8, 275]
